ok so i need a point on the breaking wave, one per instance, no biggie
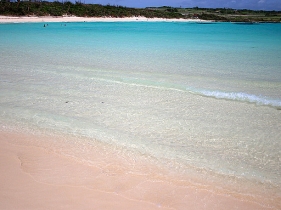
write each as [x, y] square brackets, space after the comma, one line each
[240, 96]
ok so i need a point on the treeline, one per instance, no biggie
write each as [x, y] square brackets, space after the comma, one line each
[78, 9]
[234, 11]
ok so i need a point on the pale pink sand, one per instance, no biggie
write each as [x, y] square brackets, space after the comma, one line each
[19, 189]
[44, 172]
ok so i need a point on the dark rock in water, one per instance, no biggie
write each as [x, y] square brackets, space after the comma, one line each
[245, 23]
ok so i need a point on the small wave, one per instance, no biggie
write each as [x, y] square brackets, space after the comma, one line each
[236, 96]
[240, 96]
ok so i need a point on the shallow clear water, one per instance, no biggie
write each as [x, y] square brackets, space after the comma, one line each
[202, 99]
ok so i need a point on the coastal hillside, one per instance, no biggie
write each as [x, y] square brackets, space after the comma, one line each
[28, 8]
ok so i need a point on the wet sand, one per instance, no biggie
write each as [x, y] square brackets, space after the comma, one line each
[47, 172]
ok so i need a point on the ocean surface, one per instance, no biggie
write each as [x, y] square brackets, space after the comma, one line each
[203, 100]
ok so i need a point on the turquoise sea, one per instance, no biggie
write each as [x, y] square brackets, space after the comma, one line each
[203, 100]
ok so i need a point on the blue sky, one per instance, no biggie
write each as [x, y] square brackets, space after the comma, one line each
[236, 4]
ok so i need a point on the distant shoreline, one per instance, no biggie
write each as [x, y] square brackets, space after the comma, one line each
[68, 9]
[36, 19]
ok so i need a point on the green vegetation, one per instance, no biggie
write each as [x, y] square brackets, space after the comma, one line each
[79, 9]
[44, 8]
[249, 16]
[228, 14]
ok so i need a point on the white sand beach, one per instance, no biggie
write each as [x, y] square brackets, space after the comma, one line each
[34, 19]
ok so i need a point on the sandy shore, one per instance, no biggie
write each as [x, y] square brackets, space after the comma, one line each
[38, 178]
[44, 172]
[9, 19]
